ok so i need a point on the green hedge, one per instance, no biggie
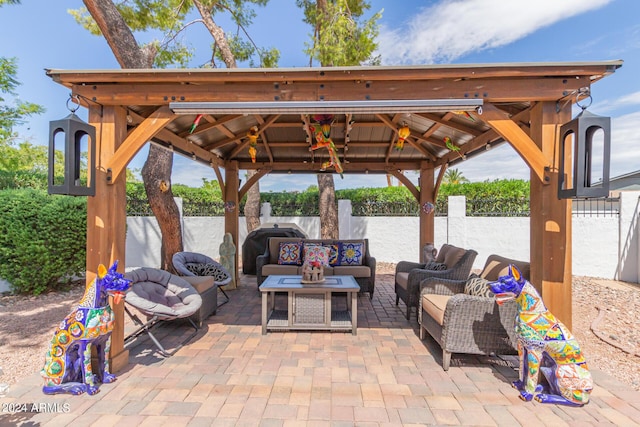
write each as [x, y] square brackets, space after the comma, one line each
[42, 239]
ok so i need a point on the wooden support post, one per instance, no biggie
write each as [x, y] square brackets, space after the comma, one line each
[550, 224]
[231, 198]
[427, 221]
[107, 216]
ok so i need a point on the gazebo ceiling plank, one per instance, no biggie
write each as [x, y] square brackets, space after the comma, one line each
[354, 166]
[505, 90]
[450, 123]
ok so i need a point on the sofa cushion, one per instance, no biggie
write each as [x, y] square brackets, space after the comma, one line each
[402, 278]
[276, 269]
[497, 266]
[316, 253]
[351, 253]
[352, 270]
[442, 252]
[453, 255]
[434, 305]
[479, 287]
[290, 253]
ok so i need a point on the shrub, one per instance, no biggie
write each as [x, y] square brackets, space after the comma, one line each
[42, 239]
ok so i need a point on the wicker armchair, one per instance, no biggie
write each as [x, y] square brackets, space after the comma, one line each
[463, 317]
[457, 261]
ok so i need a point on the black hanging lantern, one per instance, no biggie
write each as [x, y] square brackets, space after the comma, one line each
[584, 171]
[74, 133]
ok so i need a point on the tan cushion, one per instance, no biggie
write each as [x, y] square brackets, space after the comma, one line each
[276, 269]
[352, 270]
[497, 266]
[453, 256]
[200, 283]
[434, 305]
[402, 279]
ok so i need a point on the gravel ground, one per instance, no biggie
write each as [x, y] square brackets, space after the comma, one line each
[605, 323]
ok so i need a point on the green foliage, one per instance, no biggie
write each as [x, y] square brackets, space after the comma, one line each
[454, 176]
[15, 114]
[340, 38]
[169, 18]
[42, 239]
[22, 179]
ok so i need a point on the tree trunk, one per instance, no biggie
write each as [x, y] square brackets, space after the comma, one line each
[156, 172]
[157, 183]
[329, 227]
[252, 205]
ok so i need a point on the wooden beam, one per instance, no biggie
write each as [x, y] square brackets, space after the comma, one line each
[107, 216]
[427, 221]
[212, 123]
[492, 90]
[264, 140]
[232, 205]
[445, 121]
[414, 144]
[407, 183]
[263, 128]
[436, 188]
[137, 138]
[550, 221]
[519, 140]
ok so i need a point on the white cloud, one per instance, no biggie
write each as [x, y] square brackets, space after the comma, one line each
[628, 100]
[451, 29]
[625, 144]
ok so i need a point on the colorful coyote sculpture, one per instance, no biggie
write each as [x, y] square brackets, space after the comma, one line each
[544, 344]
[67, 366]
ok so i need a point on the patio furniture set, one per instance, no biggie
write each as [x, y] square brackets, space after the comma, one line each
[456, 308]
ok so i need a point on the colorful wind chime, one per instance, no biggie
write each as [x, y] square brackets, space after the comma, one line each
[321, 130]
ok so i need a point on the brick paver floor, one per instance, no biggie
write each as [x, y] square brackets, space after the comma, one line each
[232, 375]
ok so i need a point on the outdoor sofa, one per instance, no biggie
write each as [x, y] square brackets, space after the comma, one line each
[347, 257]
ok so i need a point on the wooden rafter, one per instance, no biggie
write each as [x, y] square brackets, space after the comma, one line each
[267, 148]
[447, 122]
[411, 142]
[211, 123]
[263, 128]
[518, 138]
[136, 139]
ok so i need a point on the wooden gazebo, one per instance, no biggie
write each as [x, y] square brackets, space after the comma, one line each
[476, 106]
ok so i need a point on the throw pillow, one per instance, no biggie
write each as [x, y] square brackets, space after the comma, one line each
[290, 253]
[479, 287]
[195, 267]
[351, 253]
[215, 271]
[437, 266]
[316, 253]
[334, 252]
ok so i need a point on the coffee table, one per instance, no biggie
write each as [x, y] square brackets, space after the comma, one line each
[309, 305]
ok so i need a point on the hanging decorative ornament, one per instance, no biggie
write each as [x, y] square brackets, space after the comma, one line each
[465, 114]
[195, 123]
[451, 146]
[428, 207]
[323, 140]
[325, 121]
[403, 133]
[252, 135]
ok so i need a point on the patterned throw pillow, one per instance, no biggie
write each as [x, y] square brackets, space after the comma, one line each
[334, 251]
[207, 269]
[351, 253]
[195, 267]
[318, 253]
[290, 253]
[437, 266]
[215, 271]
[479, 287]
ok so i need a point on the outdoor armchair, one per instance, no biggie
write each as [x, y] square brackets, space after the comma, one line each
[191, 264]
[451, 263]
[463, 317]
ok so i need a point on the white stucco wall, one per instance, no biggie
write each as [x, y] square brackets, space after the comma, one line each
[606, 247]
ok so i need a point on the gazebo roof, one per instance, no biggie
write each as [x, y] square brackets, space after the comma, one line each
[369, 105]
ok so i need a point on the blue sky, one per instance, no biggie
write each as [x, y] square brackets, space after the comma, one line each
[41, 34]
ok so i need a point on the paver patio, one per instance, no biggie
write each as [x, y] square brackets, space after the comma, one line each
[231, 375]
